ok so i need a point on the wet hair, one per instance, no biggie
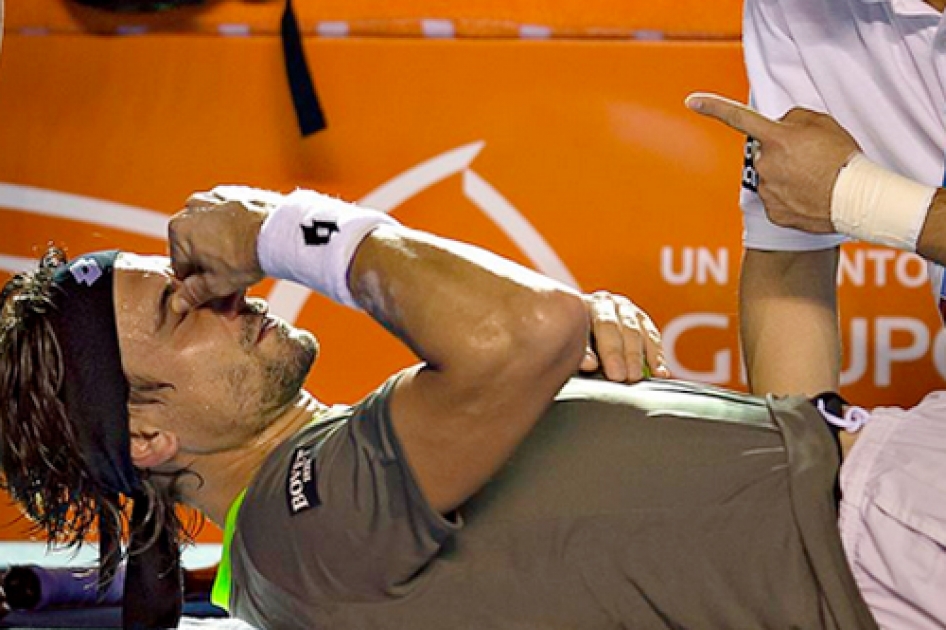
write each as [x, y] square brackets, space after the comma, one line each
[41, 464]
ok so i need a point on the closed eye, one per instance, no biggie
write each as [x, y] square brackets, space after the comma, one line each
[144, 392]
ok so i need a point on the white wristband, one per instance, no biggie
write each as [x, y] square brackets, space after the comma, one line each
[311, 238]
[875, 205]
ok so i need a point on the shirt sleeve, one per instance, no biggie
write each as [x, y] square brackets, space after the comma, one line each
[343, 515]
[778, 81]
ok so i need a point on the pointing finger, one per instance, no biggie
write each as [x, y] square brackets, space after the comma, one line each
[736, 115]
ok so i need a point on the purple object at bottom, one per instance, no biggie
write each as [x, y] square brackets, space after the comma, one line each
[31, 587]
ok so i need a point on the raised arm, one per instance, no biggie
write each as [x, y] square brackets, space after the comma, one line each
[497, 340]
[813, 177]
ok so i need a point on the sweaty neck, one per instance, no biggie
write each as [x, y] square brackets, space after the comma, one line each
[224, 475]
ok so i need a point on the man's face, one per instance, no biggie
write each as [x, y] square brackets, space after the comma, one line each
[220, 373]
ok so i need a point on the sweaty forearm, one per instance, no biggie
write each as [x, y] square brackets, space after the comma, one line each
[789, 325]
[462, 308]
[455, 305]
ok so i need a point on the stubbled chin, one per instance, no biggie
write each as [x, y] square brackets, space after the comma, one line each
[286, 374]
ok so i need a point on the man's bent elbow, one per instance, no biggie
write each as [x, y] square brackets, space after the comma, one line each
[554, 332]
[530, 341]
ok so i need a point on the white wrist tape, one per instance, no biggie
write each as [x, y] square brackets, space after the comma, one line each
[311, 238]
[875, 205]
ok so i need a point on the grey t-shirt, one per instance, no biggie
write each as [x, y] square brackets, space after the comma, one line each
[659, 505]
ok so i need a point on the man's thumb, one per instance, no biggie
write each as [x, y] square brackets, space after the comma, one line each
[191, 293]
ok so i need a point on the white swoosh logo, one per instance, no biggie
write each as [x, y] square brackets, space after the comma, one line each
[61, 205]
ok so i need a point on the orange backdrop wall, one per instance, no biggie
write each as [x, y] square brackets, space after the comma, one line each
[553, 133]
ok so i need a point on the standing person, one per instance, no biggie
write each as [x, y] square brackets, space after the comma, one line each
[482, 488]
[877, 67]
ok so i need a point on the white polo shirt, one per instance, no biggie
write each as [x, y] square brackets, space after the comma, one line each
[877, 66]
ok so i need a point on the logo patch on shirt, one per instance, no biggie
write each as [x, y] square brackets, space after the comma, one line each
[750, 177]
[319, 233]
[302, 493]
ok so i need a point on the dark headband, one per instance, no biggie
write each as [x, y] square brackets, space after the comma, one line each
[95, 393]
[95, 390]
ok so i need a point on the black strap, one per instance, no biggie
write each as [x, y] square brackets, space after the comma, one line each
[832, 401]
[308, 110]
[834, 404]
[153, 582]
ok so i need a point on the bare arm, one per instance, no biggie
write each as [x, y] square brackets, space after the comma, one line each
[932, 242]
[801, 157]
[789, 322]
[497, 340]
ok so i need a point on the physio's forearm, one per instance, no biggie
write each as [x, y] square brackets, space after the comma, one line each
[789, 324]
[932, 242]
[876, 205]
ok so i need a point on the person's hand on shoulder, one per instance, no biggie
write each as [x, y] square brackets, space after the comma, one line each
[625, 344]
[213, 243]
